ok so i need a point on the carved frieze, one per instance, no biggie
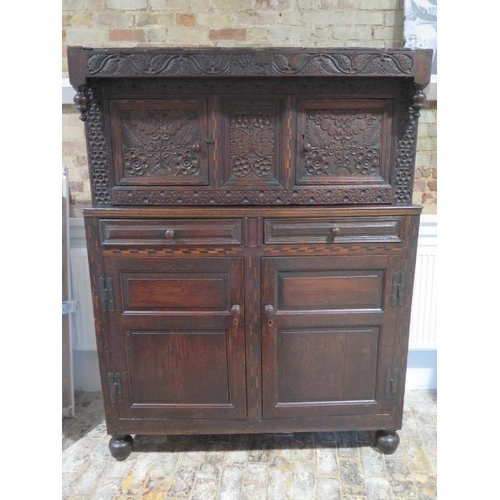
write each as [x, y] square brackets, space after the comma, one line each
[105, 63]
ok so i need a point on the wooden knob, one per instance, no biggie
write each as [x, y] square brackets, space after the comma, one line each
[335, 231]
[196, 148]
[169, 233]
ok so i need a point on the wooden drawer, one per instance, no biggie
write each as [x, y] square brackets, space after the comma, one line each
[171, 232]
[334, 230]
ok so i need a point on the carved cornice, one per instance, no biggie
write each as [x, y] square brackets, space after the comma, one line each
[155, 62]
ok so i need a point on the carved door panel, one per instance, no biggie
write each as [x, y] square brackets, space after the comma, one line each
[327, 334]
[344, 141]
[160, 142]
[252, 143]
[177, 337]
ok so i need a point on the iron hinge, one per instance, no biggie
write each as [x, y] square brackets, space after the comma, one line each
[392, 382]
[115, 387]
[106, 299]
[398, 289]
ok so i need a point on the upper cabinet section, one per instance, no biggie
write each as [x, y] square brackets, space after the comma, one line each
[250, 127]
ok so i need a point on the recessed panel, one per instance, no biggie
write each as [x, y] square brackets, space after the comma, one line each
[179, 291]
[327, 365]
[159, 142]
[178, 367]
[252, 142]
[345, 289]
[343, 141]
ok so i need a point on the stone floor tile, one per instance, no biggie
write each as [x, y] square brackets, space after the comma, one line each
[373, 463]
[400, 479]
[256, 473]
[417, 459]
[351, 477]
[231, 481]
[378, 489]
[205, 489]
[326, 461]
[184, 480]
[236, 457]
[303, 481]
[279, 482]
[253, 491]
[327, 489]
[426, 485]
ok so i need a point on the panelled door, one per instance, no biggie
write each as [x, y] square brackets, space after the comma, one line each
[328, 328]
[177, 337]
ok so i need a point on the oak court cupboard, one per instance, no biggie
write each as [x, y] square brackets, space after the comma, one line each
[252, 238]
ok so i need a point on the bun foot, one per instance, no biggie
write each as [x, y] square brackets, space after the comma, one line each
[121, 446]
[387, 441]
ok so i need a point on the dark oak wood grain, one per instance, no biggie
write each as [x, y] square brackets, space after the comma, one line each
[252, 241]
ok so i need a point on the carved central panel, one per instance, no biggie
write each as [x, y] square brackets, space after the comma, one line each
[160, 142]
[345, 143]
[252, 142]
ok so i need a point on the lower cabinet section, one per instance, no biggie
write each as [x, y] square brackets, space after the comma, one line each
[251, 336]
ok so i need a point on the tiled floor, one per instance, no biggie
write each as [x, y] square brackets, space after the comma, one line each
[305, 466]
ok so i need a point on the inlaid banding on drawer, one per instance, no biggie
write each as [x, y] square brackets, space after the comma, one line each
[334, 230]
[171, 232]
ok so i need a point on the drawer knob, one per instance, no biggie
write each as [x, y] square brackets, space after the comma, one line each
[236, 313]
[335, 231]
[307, 147]
[169, 233]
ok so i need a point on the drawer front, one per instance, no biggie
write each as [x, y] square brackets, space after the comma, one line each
[171, 232]
[334, 230]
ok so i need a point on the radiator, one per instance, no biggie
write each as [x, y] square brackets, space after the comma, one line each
[423, 331]
[83, 320]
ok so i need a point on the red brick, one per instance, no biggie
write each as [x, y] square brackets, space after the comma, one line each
[185, 19]
[228, 34]
[129, 35]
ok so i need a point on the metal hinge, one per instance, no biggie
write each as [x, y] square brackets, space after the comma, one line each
[115, 387]
[398, 289]
[70, 306]
[106, 299]
[392, 382]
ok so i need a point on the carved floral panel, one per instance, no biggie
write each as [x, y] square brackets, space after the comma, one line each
[252, 136]
[158, 144]
[336, 144]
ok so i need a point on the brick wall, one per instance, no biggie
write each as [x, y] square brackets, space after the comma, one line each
[237, 23]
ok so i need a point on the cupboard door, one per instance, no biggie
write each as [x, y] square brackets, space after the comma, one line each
[344, 142]
[159, 142]
[177, 336]
[328, 330]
